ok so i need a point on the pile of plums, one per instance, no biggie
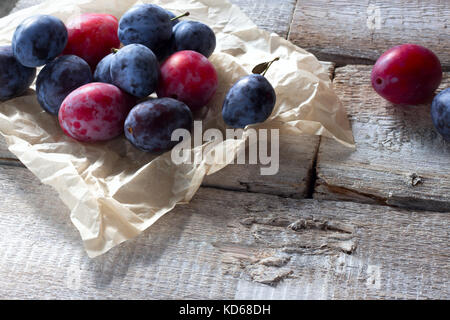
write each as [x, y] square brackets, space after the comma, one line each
[99, 73]
[410, 74]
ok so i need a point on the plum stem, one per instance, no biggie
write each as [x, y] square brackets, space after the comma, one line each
[181, 16]
[114, 50]
[268, 65]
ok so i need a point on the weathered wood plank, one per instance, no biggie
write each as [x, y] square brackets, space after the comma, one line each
[23, 4]
[4, 152]
[6, 6]
[297, 154]
[271, 15]
[224, 245]
[400, 159]
[355, 31]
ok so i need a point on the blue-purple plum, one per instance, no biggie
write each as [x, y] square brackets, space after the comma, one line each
[146, 24]
[135, 69]
[165, 50]
[195, 36]
[59, 78]
[103, 70]
[15, 78]
[150, 124]
[250, 100]
[38, 40]
[440, 113]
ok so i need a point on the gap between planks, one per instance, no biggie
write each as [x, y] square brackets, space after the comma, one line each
[292, 21]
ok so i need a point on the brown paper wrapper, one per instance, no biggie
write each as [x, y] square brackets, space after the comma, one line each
[115, 191]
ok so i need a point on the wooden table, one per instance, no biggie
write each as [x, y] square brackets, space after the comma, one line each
[332, 224]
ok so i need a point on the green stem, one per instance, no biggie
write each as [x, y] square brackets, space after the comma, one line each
[180, 16]
[268, 66]
[114, 50]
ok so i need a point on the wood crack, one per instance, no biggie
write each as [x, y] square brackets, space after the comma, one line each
[303, 224]
[291, 20]
[312, 179]
[352, 195]
[279, 241]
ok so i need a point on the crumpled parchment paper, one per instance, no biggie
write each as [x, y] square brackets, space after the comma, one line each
[114, 191]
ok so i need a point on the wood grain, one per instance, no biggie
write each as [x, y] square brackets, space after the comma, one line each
[270, 15]
[224, 245]
[296, 161]
[23, 4]
[4, 152]
[400, 159]
[6, 6]
[358, 31]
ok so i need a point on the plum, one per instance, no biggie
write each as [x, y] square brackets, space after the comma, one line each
[135, 69]
[103, 70]
[250, 100]
[94, 112]
[92, 36]
[188, 76]
[58, 79]
[407, 74]
[440, 113]
[145, 24]
[38, 40]
[150, 124]
[15, 78]
[195, 36]
[165, 50]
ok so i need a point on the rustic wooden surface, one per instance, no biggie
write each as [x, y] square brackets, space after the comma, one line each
[400, 159]
[296, 164]
[4, 152]
[6, 7]
[250, 246]
[271, 15]
[248, 243]
[358, 31]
